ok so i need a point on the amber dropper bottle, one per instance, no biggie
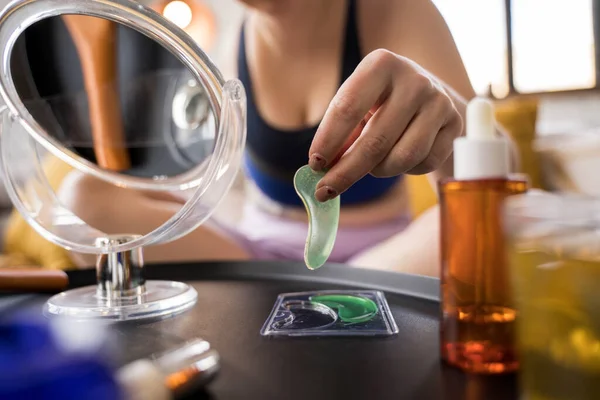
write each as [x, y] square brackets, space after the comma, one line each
[478, 319]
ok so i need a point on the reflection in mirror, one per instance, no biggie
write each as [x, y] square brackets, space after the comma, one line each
[113, 96]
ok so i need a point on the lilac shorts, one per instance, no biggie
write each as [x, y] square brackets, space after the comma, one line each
[268, 237]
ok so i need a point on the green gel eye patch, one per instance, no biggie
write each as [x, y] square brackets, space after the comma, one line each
[351, 309]
[323, 218]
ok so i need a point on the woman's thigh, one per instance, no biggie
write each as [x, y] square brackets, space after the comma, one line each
[115, 210]
[416, 250]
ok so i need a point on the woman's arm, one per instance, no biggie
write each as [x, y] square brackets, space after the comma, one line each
[404, 105]
[417, 30]
[416, 250]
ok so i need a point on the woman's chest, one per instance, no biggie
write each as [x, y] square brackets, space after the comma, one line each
[291, 94]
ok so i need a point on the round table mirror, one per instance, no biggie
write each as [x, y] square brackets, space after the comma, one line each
[118, 93]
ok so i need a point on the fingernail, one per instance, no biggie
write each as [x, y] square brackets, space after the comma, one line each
[325, 193]
[317, 162]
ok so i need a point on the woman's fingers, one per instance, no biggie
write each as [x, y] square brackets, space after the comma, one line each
[413, 153]
[352, 138]
[441, 148]
[367, 87]
[412, 124]
[375, 141]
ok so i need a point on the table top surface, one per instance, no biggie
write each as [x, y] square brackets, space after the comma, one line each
[235, 299]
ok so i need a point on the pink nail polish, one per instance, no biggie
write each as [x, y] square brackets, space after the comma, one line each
[317, 162]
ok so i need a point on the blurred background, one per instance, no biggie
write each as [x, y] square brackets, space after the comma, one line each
[537, 58]
[510, 48]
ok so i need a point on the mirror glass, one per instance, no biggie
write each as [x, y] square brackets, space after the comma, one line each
[113, 96]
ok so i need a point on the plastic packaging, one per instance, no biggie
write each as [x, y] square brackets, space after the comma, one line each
[330, 313]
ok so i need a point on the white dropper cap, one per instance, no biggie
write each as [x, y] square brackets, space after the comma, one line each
[482, 153]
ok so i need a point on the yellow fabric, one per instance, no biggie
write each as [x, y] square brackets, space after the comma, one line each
[518, 116]
[24, 245]
[421, 194]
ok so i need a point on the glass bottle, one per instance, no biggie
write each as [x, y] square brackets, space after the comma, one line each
[478, 317]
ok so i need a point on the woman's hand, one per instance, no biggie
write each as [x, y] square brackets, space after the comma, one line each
[390, 117]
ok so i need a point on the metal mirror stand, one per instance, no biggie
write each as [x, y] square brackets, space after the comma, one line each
[120, 274]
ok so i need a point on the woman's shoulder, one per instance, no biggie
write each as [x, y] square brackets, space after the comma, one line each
[416, 30]
[385, 22]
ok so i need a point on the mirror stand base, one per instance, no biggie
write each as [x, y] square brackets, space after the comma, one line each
[121, 292]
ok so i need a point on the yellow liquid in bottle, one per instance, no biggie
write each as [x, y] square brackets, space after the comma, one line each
[557, 291]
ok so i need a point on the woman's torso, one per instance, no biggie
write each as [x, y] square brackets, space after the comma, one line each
[288, 93]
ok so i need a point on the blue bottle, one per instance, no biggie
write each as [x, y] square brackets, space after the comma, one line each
[34, 365]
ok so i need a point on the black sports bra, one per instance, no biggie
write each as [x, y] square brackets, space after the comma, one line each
[273, 155]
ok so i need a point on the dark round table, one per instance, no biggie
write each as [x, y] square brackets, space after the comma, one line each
[234, 300]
